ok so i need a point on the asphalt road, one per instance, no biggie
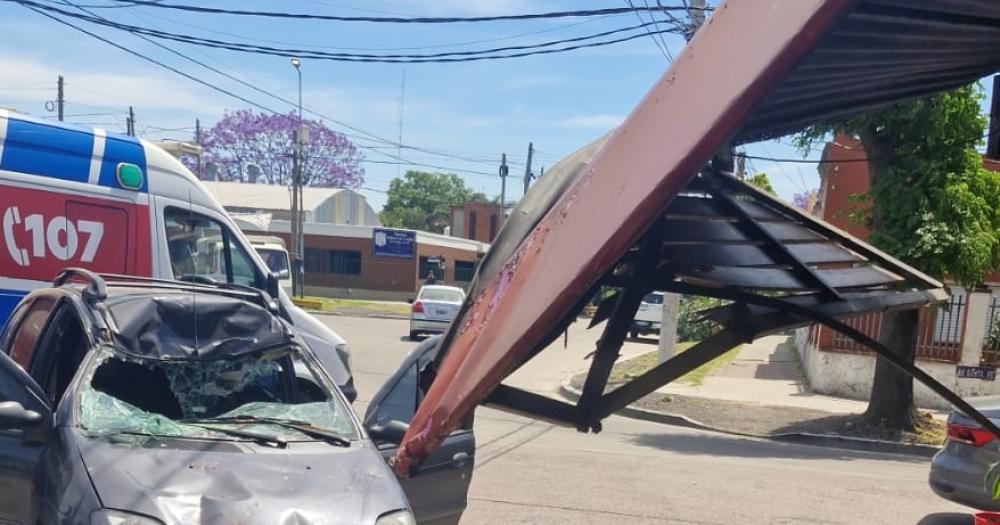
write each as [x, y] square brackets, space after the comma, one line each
[640, 472]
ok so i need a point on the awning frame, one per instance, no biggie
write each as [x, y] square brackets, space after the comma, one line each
[751, 314]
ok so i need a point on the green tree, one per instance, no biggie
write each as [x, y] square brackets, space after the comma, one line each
[933, 205]
[422, 201]
[761, 182]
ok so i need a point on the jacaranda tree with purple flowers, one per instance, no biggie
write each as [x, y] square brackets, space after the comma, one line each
[244, 137]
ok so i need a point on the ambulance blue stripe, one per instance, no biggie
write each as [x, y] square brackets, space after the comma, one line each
[8, 300]
[41, 149]
[122, 148]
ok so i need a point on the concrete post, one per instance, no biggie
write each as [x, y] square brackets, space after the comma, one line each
[668, 327]
[975, 328]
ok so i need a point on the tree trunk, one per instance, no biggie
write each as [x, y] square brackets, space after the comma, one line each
[891, 402]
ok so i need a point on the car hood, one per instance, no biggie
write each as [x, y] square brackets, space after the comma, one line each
[226, 482]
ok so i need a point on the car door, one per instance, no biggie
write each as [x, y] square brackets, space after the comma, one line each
[438, 487]
[25, 424]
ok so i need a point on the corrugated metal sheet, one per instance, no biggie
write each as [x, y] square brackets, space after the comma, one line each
[884, 51]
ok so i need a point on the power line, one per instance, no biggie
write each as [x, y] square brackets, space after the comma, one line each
[649, 32]
[392, 19]
[581, 42]
[400, 48]
[226, 91]
[152, 60]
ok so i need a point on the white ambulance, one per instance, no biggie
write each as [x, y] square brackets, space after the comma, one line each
[74, 196]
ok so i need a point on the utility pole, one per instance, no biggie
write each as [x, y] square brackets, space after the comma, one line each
[130, 123]
[197, 140]
[504, 170]
[741, 166]
[527, 168]
[298, 225]
[61, 98]
[672, 302]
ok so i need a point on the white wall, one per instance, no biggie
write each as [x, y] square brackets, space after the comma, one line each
[850, 375]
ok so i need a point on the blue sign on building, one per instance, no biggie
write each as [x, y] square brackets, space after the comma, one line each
[394, 243]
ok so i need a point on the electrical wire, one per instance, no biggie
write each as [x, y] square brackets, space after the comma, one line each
[649, 32]
[393, 19]
[402, 160]
[445, 57]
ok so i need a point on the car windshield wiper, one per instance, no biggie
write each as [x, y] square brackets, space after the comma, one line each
[300, 426]
[256, 436]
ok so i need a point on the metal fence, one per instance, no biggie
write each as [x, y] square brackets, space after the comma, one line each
[939, 331]
[992, 317]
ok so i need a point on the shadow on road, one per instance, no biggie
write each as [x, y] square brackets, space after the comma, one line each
[720, 445]
[946, 518]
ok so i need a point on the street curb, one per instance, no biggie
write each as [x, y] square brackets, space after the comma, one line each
[800, 438]
[359, 314]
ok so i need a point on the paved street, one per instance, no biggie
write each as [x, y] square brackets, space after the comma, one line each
[639, 472]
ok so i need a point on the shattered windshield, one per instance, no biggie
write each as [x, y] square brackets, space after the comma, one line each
[275, 394]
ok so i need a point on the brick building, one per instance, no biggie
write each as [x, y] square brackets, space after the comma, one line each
[947, 337]
[479, 221]
[341, 260]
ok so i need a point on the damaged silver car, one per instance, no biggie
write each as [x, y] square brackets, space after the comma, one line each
[143, 402]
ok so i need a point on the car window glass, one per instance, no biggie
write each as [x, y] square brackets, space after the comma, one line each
[192, 398]
[653, 298]
[65, 345]
[276, 260]
[243, 267]
[13, 322]
[202, 247]
[26, 336]
[444, 295]
[400, 403]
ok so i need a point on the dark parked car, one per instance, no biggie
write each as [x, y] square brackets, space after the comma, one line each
[958, 471]
[141, 402]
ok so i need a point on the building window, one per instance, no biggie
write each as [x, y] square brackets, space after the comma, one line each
[472, 225]
[345, 262]
[494, 222]
[429, 265]
[949, 323]
[315, 261]
[464, 271]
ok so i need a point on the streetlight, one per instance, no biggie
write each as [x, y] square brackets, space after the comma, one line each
[297, 211]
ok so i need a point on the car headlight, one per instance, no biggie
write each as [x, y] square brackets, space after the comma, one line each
[117, 517]
[396, 517]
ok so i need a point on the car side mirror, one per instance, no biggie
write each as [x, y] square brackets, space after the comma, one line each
[391, 432]
[410, 300]
[284, 274]
[13, 416]
[271, 286]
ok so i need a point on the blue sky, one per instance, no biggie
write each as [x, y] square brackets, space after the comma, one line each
[471, 112]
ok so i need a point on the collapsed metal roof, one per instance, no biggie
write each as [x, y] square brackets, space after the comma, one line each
[880, 52]
[644, 209]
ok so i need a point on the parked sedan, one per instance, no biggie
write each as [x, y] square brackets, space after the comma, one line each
[147, 403]
[434, 308]
[958, 470]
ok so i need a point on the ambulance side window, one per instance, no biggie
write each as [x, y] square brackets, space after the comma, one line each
[202, 248]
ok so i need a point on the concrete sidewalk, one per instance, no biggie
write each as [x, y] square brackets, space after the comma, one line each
[765, 372]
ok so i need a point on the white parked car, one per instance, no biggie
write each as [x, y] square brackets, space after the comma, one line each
[434, 308]
[649, 317]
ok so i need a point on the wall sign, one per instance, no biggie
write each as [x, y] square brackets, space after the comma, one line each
[401, 244]
[976, 372]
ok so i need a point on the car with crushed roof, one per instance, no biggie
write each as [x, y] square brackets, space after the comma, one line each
[142, 402]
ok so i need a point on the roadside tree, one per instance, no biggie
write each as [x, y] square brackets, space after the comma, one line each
[932, 205]
[422, 201]
[244, 137]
